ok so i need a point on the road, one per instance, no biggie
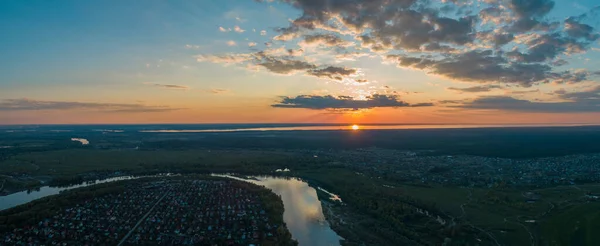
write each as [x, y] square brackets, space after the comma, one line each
[141, 220]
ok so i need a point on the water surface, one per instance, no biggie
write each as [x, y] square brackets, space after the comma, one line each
[303, 212]
[23, 197]
[216, 129]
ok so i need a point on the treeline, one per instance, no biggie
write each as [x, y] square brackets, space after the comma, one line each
[382, 216]
[515, 142]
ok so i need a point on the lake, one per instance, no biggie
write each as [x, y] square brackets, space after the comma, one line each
[303, 212]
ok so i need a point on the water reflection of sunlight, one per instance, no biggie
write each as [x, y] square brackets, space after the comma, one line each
[307, 206]
[303, 213]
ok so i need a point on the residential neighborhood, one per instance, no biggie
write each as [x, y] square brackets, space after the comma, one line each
[165, 212]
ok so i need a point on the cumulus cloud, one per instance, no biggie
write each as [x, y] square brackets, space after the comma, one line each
[515, 41]
[263, 33]
[231, 43]
[29, 104]
[489, 66]
[344, 102]
[576, 29]
[482, 88]
[251, 44]
[547, 47]
[222, 29]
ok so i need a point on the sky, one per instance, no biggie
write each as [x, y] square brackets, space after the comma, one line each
[299, 61]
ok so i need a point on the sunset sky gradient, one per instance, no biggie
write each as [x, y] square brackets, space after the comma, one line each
[299, 61]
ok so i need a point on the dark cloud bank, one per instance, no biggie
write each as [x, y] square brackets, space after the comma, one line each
[344, 102]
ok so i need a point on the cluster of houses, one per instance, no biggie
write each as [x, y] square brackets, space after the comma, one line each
[205, 213]
[170, 212]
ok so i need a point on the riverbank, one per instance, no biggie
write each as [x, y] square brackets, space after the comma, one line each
[15, 184]
[10, 185]
[259, 204]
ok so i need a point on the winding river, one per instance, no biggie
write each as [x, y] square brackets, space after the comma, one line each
[303, 212]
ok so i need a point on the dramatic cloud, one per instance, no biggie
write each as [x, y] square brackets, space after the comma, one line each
[343, 102]
[170, 86]
[547, 47]
[28, 104]
[488, 66]
[570, 102]
[483, 88]
[503, 41]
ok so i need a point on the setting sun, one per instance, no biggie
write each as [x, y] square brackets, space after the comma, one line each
[355, 127]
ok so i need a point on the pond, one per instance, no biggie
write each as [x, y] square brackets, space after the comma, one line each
[303, 212]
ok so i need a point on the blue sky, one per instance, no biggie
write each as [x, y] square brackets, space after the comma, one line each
[167, 60]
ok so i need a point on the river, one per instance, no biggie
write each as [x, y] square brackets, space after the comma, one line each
[303, 212]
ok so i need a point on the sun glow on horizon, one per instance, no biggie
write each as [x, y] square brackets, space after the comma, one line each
[355, 127]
